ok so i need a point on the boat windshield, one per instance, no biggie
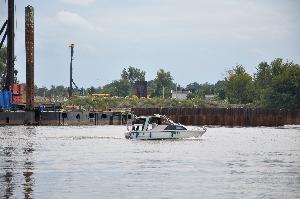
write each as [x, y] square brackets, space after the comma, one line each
[175, 127]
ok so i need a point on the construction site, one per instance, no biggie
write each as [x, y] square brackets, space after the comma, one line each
[13, 109]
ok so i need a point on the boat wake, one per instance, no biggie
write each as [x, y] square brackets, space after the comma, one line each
[98, 137]
[87, 138]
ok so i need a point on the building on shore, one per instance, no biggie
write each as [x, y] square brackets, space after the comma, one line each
[180, 94]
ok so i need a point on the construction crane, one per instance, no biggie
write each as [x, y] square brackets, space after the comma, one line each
[71, 72]
[7, 95]
[12, 93]
[8, 28]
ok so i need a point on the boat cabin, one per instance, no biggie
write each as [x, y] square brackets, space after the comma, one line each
[143, 123]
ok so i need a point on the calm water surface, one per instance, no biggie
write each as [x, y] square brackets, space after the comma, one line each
[97, 162]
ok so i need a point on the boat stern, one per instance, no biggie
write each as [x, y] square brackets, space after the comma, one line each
[127, 135]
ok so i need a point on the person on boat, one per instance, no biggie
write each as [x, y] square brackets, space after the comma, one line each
[154, 124]
[133, 128]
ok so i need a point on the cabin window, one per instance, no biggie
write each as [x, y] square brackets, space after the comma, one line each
[170, 127]
[174, 127]
[180, 128]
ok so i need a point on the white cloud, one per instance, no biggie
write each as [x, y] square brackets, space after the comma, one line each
[73, 19]
[78, 2]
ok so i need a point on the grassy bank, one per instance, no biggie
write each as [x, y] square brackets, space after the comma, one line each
[105, 103]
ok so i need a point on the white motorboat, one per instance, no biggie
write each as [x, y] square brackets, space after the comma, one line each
[160, 127]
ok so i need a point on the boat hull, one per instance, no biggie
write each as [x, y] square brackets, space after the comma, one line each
[161, 135]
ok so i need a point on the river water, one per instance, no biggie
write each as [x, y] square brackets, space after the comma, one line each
[97, 162]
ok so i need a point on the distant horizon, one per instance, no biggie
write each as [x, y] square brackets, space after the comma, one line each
[195, 40]
[97, 86]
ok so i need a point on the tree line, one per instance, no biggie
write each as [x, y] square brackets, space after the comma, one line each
[121, 88]
[274, 85]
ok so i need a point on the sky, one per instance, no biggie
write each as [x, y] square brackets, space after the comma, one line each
[196, 40]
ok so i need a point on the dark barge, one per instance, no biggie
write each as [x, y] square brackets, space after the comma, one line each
[74, 118]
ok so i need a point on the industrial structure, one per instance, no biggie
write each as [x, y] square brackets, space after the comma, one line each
[71, 72]
[9, 80]
[11, 92]
[14, 112]
[180, 94]
[29, 43]
[141, 88]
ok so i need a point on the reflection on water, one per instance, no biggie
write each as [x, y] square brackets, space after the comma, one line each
[28, 169]
[8, 176]
[16, 154]
[97, 162]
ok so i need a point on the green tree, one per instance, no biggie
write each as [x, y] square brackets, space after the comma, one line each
[283, 89]
[262, 81]
[220, 89]
[108, 89]
[91, 90]
[263, 76]
[121, 88]
[206, 89]
[133, 74]
[163, 83]
[193, 87]
[201, 90]
[239, 86]
[277, 67]
[57, 91]
[40, 91]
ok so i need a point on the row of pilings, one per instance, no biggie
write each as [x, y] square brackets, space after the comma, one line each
[226, 116]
